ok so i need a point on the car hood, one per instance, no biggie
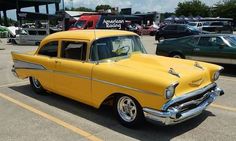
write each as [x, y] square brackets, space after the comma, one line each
[182, 71]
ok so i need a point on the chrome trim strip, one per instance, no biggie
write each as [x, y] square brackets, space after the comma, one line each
[188, 95]
[72, 74]
[26, 65]
[213, 59]
[126, 87]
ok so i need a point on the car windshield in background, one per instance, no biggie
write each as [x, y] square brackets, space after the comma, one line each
[116, 47]
[192, 28]
[79, 24]
[231, 40]
[192, 24]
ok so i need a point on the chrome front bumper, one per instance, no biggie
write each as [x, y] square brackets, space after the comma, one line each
[174, 114]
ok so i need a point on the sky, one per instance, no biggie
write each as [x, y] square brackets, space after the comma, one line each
[136, 5]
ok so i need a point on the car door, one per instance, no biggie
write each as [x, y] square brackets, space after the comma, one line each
[228, 49]
[169, 31]
[208, 49]
[46, 57]
[181, 31]
[73, 72]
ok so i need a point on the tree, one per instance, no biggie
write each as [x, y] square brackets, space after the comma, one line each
[103, 7]
[192, 8]
[226, 9]
[85, 9]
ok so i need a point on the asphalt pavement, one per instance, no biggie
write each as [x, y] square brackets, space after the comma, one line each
[26, 116]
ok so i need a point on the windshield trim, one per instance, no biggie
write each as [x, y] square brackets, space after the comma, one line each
[115, 58]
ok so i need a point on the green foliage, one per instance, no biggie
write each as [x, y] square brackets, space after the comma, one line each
[85, 9]
[192, 8]
[103, 7]
[226, 9]
[9, 20]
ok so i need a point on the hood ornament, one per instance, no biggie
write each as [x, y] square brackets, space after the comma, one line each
[173, 72]
[196, 64]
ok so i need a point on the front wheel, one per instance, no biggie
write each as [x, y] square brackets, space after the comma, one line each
[36, 85]
[177, 55]
[128, 111]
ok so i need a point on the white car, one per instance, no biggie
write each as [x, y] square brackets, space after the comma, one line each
[197, 25]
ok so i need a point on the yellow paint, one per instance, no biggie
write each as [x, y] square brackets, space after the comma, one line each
[141, 76]
[223, 107]
[52, 118]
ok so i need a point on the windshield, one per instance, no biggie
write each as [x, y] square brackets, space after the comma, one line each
[115, 48]
[231, 40]
[192, 28]
[192, 24]
[79, 24]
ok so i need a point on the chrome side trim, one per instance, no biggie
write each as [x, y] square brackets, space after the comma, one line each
[188, 95]
[126, 87]
[26, 65]
[213, 59]
[72, 75]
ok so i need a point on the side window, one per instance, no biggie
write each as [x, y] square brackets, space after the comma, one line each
[205, 41]
[193, 41]
[90, 24]
[170, 27]
[50, 49]
[181, 28]
[216, 41]
[210, 41]
[74, 50]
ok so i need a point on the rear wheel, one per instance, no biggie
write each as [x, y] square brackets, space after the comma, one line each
[177, 55]
[36, 85]
[128, 111]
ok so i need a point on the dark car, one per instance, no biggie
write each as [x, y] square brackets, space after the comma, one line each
[216, 48]
[176, 31]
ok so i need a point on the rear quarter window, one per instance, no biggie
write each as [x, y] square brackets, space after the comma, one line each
[50, 49]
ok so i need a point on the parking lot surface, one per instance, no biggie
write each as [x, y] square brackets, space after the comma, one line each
[26, 116]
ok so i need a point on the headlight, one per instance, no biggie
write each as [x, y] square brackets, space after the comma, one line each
[216, 75]
[170, 91]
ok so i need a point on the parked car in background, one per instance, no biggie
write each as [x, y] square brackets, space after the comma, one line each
[111, 66]
[216, 48]
[148, 30]
[197, 25]
[218, 25]
[176, 31]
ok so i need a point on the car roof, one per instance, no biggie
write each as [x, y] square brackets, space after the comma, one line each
[213, 35]
[88, 35]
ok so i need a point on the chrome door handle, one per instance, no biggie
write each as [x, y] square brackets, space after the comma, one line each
[196, 49]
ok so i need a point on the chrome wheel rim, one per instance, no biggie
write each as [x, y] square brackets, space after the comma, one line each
[127, 109]
[36, 83]
[177, 56]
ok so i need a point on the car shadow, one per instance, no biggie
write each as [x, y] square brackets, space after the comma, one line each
[229, 70]
[147, 132]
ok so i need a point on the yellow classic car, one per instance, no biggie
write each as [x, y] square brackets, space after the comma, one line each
[111, 66]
